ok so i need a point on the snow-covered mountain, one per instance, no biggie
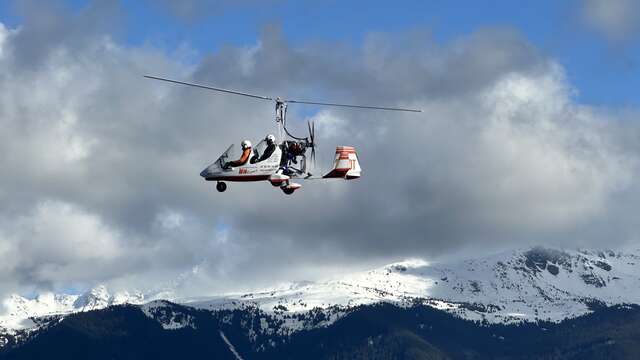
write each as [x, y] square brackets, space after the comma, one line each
[527, 285]
[21, 314]
[530, 285]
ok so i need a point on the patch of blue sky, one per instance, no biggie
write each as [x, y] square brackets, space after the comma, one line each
[601, 74]
[153, 25]
[8, 16]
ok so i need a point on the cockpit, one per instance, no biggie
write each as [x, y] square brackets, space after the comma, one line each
[261, 153]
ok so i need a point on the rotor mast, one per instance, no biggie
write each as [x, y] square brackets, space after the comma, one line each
[281, 118]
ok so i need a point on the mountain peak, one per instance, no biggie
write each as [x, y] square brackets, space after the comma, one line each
[98, 297]
[523, 285]
[18, 309]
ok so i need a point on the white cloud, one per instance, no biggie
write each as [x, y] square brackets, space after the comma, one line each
[170, 220]
[101, 166]
[57, 243]
[3, 37]
[547, 162]
[61, 231]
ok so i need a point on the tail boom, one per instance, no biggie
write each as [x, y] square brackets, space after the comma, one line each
[345, 165]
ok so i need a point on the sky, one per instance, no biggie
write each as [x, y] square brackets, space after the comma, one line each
[528, 136]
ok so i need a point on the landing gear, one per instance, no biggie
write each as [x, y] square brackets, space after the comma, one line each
[290, 187]
[221, 187]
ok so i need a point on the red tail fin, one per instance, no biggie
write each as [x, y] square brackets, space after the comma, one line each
[345, 165]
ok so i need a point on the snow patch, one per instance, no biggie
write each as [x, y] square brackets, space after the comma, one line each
[167, 317]
[231, 347]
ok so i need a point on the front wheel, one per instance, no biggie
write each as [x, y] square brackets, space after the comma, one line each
[288, 191]
[221, 187]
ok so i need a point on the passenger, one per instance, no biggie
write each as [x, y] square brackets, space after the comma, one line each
[271, 147]
[246, 153]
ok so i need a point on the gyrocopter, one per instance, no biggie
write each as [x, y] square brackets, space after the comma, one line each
[279, 161]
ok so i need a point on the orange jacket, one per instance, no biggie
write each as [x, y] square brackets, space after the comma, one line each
[243, 159]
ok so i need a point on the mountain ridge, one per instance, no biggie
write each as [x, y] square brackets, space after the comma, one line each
[375, 331]
[531, 285]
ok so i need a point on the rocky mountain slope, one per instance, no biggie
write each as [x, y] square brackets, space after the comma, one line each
[532, 285]
[377, 331]
[527, 286]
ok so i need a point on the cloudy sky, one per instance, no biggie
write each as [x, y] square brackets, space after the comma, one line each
[529, 135]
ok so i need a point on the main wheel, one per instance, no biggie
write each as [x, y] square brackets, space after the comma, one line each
[288, 191]
[221, 187]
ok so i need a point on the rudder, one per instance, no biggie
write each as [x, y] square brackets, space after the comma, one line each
[345, 165]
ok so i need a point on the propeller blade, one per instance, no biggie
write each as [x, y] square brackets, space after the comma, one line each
[313, 157]
[311, 141]
[312, 133]
[209, 88]
[351, 106]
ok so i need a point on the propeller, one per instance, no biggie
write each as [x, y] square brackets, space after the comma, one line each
[311, 141]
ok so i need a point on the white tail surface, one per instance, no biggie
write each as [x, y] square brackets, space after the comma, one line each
[345, 165]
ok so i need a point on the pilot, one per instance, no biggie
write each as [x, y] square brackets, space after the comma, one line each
[271, 147]
[246, 153]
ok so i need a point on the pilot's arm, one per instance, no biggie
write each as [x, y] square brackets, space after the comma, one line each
[243, 159]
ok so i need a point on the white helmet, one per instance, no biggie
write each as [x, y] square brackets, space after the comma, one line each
[245, 144]
[270, 139]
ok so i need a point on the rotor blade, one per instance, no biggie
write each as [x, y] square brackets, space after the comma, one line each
[351, 106]
[209, 88]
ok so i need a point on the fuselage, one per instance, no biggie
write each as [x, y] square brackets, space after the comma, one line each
[258, 171]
